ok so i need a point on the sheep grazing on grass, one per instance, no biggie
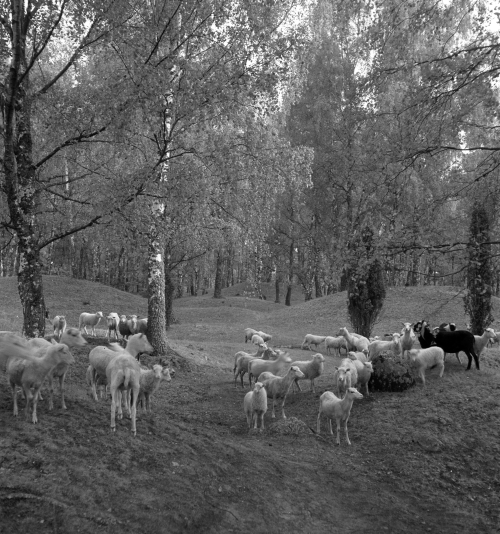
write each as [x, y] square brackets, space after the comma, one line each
[29, 375]
[150, 381]
[377, 347]
[311, 339]
[452, 342]
[59, 325]
[258, 366]
[335, 344]
[123, 374]
[407, 338]
[257, 339]
[100, 356]
[347, 376]
[71, 338]
[427, 359]
[364, 371]
[91, 320]
[310, 369]
[113, 320]
[249, 332]
[255, 406]
[278, 387]
[264, 336]
[242, 359]
[338, 409]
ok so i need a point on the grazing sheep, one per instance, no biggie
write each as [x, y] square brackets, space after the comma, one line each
[377, 347]
[338, 409]
[123, 375]
[335, 343]
[100, 356]
[407, 338]
[124, 327]
[278, 387]
[427, 359]
[91, 320]
[257, 339]
[150, 381]
[452, 342]
[31, 374]
[249, 332]
[264, 336]
[347, 375]
[482, 341]
[310, 369]
[255, 406]
[113, 321]
[258, 366]
[364, 370]
[311, 339]
[360, 356]
[354, 341]
[71, 338]
[59, 324]
[242, 359]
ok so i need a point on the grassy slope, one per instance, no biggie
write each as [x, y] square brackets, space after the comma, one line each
[421, 461]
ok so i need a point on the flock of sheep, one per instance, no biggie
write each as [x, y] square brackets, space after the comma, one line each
[30, 363]
[265, 365]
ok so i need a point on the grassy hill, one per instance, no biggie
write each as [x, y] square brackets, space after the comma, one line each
[421, 461]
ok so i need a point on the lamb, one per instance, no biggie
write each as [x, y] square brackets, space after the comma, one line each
[257, 339]
[453, 342]
[258, 366]
[354, 341]
[407, 338]
[59, 324]
[377, 347]
[100, 357]
[427, 359]
[249, 332]
[123, 375]
[482, 341]
[124, 327]
[335, 343]
[364, 370]
[71, 338]
[277, 387]
[149, 382]
[90, 319]
[113, 321]
[310, 369]
[311, 339]
[347, 375]
[31, 374]
[242, 359]
[333, 407]
[255, 405]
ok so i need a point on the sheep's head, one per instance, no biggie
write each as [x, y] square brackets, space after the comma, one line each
[369, 366]
[406, 327]
[73, 338]
[166, 374]
[318, 357]
[100, 314]
[296, 371]
[353, 392]
[342, 374]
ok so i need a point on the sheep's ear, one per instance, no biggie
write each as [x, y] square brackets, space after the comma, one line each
[348, 371]
[336, 368]
[54, 342]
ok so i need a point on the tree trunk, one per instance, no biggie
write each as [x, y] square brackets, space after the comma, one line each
[169, 297]
[288, 298]
[157, 332]
[277, 286]
[218, 275]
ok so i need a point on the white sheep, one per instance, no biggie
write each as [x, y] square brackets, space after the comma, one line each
[99, 382]
[377, 347]
[311, 339]
[335, 343]
[123, 374]
[264, 336]
[100, 356]
[149, 383]
[255, 405]
[249, 332]
[482, 341]
[364, 371]
[360, 356]
[258, 366]
[354, 341]
[338, 409]
[347, 376]
[59, 324]
[278, 387]
[113, 320]
[310, 369]
[71, 338]
[427, 359]
[13, 346]
[407, 338]
[30, 374]
[141, 326]
[257, 339]
[91, 320]
[242, 359]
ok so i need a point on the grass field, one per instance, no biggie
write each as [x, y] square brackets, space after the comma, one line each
[424, 460]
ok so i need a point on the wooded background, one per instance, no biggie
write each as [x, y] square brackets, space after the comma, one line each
[175, 147]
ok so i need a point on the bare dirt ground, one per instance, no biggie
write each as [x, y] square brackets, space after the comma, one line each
[425, 460]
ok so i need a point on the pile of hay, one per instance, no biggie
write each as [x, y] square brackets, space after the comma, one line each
[291, 425]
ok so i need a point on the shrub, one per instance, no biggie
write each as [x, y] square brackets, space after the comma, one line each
[391, 374]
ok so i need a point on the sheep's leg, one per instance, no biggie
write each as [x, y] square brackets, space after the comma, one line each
[458, 358]
[61, 387]
[134, 408]
[27, 393]
[312, 386]
[34, 418]
[93, 380]
[274, 401]
[283, 407]
[119, 404]
[476, 360]
[14, 396]
[422, 376]
[318, 423]
[441, 369]
[296, 383]
[330, 425]
[114, 398]
[346, 433]
[50, 380]
[241, 376]
[262, 421]
[255, 419]
[469, 357]
[338, 431]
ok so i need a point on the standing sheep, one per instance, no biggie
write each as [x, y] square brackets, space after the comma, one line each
[407, 338]
[113, 320]
[364, 370]
[335, 343]
[427, 359]
[91, 320]
[347, 376]
[257, 366]
[124, 327]
[59, 325]
[310, 370]
[278, 387]
[255, 405]
[311, 339]
[149, 383]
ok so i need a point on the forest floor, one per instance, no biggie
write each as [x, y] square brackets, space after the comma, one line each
[424, 460]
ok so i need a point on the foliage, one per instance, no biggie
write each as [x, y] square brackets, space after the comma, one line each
[391, 374]
[477, 300]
